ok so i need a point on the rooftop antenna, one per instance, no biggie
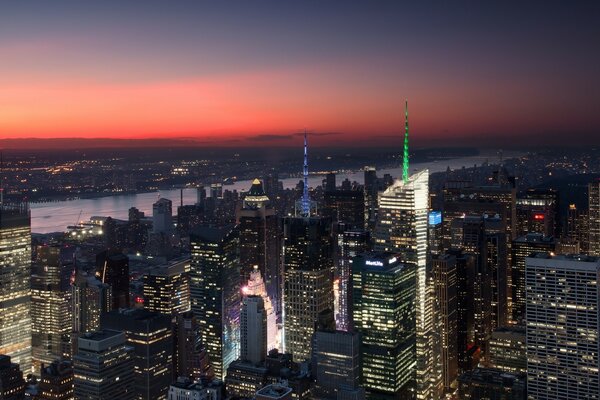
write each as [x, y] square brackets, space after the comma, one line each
[405, 159]
[305, 199]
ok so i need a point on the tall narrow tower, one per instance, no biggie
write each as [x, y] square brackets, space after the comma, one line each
[15, 285]
[405, 158]
[402, 228]
[305, 199]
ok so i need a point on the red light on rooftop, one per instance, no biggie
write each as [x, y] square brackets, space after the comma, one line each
[139, 300]
[538, 217]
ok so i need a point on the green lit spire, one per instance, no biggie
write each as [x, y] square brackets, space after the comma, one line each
[405, 159]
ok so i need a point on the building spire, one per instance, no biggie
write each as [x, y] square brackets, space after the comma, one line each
[305, 199]
[405, 158]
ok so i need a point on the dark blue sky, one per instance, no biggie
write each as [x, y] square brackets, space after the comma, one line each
[229, 69]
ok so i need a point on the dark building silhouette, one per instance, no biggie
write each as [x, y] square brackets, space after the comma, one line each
[12, 384]
[150, 336]
[347, 206]
[56, 381]
[112, 268]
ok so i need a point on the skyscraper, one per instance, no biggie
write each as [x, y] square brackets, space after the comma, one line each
[215, 293]
[50, 306]
[383, 294]
[563, 299]
[167, 288]
[537, 210]
[15, 263]
[335, 362]
[507, 350]
[346, 206]
[103, 367]
[162, 216]
[445, 281]
[12, 384]
[522, 248]
[308, 288]
[253, 329]
[402, 228]
[56, 381]
[90, 299]
[150, 336]
[594, 215]
[484, 237]
[256, 287]
[112, 268]
[260, 242]
[192, 360]
[350, 243]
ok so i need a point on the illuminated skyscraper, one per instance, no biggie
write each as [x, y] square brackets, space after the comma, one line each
[445, 280]
[537, 211]
[150, 336]
[216, 293]
[594, 213]
[103, 367]
[350, 243]
[507, 350]
[308, 287]
[522, 248]
[563, 299]
[260, 242]
[578, 228]
[383, 295]
[167, 288]
[256, 287]
[15, 264]
[90, 299]
[402, 228]
[50, 306]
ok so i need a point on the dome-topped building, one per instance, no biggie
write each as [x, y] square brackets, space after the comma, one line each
[256, 197]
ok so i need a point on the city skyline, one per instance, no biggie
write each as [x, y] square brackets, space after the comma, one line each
[248, 75]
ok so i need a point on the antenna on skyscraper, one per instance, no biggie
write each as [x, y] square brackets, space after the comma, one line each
[405, 158]
[305, 199]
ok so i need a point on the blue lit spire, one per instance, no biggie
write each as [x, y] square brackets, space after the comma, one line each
[305, 198]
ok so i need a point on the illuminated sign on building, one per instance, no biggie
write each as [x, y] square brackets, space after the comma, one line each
[374, 263]
[435, 217]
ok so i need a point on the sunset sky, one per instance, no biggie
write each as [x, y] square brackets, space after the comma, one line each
[255, 72]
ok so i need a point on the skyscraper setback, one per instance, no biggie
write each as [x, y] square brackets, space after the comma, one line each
[260, 242]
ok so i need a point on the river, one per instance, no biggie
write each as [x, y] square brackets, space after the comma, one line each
[56, 216]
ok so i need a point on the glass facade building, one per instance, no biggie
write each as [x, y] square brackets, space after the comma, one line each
[15, 286]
